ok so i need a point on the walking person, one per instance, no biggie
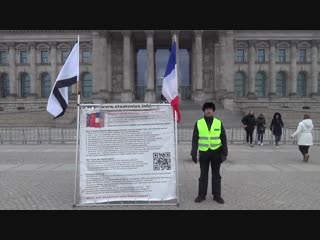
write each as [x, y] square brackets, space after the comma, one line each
[276, 127]
[209, 141]
[249, 123]
[304, 136]
[261, 126]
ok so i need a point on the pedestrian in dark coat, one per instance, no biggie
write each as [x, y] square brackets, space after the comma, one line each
[261, 126]
[276, 127]
[249, 123]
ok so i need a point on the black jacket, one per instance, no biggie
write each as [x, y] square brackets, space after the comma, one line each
[261, 124]
[276, 125]
[195, 137]
[250, 121]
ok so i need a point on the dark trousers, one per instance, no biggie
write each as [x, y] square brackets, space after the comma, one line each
[260, 137]
[304, 149]
[205, 159]
[277, 139]
[249, 135]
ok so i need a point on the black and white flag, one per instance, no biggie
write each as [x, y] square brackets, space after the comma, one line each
[58, 99]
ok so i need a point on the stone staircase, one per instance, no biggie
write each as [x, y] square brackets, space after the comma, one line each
[38, 118]
[191, 112]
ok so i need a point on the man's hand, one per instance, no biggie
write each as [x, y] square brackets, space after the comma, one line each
[223, 158]
[195, 159]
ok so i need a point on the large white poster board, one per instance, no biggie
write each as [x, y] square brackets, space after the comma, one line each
[127, 152]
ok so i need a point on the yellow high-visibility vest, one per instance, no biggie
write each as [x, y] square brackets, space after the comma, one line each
[209, 139]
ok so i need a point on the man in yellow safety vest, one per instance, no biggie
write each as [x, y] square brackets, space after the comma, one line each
[210, 141]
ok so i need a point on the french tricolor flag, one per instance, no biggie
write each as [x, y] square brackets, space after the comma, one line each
[170, 82]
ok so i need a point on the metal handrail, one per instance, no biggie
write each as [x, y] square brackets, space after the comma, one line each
[49, 135]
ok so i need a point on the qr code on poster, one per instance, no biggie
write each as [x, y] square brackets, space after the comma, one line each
[161, 161]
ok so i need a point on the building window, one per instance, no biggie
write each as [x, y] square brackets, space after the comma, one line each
[23, 57]
[64, 55]
[25, 85]
[261, 55]
[281, 84]
[3, 57]
[303, 55]
[260, 84]
[302, 84]
[282, 55]
[45, 85]
[85, 56]
[240, 55]
[239, 84]
[87, 85]
[44, 56]
[4, 85]
[318, 86]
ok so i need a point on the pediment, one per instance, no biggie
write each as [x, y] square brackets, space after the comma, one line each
[64, 45]
[241, 45]
[43, 46]
[3, 47]
[304, 45]
[262, 45]
[283, 45]
[22, 46]
[85, 45]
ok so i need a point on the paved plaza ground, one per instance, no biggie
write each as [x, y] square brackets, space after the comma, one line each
[41, 177]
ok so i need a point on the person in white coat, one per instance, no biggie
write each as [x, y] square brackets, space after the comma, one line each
[304, 136]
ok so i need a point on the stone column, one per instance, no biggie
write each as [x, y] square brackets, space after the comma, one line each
[175, 34]
[251, 70]
[150, 95]
[198, 95]
[193, 66]
[33, 66]
[133, 53]
[109, 66]
[96, 63]
[12, 71]
[222, 60]
[103, 65]
[293, 70]
[227, 88]
[229, 64]
[53, 62]
[272, 70]
[126, 95]
[216, 67]
[314, 70]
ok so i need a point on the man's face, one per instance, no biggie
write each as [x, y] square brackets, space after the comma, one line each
[208, 112]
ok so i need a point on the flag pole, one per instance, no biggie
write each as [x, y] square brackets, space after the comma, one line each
[175, 121]
[77, 140]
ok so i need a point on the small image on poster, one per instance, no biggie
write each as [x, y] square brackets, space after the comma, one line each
[95, 119]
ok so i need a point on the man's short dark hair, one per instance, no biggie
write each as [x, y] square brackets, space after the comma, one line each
[208, 105]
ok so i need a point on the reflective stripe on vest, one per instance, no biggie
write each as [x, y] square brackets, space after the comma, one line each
[209, 139]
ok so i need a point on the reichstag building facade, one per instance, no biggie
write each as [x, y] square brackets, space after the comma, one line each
[233, 67]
